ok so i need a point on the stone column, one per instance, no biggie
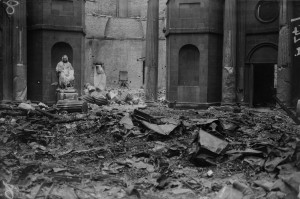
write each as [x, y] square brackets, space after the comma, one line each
[152, 51]
[19, 53]
[229, 53]
[241, 43]
[284, 58]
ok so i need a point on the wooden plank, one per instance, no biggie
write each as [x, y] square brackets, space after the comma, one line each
[288, 111]
[189, 94]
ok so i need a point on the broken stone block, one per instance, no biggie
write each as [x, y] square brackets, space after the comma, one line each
[211, 142]
[165, 129]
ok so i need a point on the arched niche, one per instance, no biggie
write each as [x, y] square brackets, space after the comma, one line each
[188, 70]
[58, 50]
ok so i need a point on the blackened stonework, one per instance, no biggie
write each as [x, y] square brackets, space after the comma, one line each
[116, 36]
[12, 52]
[194, 52]
[261, 35]
[55, 28]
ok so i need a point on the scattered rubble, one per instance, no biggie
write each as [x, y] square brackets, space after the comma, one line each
[112, 96]
[156, 152]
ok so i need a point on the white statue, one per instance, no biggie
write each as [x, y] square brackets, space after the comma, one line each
[99, 76]
[65, 73]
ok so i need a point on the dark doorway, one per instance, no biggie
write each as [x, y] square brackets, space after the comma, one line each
[263, 85]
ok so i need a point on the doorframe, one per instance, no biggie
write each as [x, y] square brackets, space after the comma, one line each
[251, 81]
[251, 85]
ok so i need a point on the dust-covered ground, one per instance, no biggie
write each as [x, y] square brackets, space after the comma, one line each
[128, 151]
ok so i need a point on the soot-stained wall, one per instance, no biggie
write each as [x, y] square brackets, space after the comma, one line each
[51, 22]
[115, 35]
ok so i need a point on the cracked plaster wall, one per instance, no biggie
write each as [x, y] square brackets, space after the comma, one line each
[120, 42]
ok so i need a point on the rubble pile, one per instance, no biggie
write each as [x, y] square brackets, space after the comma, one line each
[113, 96]
[156, 152]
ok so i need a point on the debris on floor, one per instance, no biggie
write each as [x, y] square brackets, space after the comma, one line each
[112, 96]
[146, 152]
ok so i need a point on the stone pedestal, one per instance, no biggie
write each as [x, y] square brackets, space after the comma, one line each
[72, 105]
[66, 94]
[67, 100]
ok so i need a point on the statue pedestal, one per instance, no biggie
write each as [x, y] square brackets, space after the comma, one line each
[66, 94]
[67, 100]
[72, 106]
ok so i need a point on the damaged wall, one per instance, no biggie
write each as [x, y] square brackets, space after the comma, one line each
[13, 58]
[53, 30]
[115, 35]
[194, 52]
[260, 32]
[6, 51]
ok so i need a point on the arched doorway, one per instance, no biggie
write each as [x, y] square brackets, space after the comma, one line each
[263, 75]
[57, 51]
[188, 74]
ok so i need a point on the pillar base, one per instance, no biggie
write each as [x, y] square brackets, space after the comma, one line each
[188, 105]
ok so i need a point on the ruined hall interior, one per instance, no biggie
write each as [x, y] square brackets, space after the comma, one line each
[208, 54]
[149, 99]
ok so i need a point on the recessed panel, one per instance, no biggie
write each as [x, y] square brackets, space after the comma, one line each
[62, 8]
[189, 10]
[189, 62]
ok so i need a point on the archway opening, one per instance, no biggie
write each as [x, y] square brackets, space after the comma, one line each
[188, 71]
[263, 76]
